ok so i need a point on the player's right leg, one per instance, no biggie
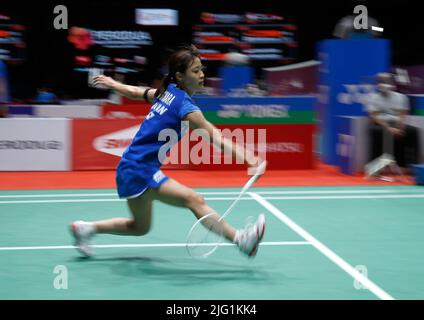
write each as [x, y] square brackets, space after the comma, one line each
[141, 210]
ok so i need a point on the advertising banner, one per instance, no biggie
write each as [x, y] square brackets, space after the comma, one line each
[416, 104]
[99, 143]
[258, 110]
[20, 110]
[125, 111]
[286, 123]
[285, 147]
[344, 82]
[282, 129]
[67, 111]
[345, 145]
[34, 144]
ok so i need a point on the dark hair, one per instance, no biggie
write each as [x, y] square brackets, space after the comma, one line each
[179, 61]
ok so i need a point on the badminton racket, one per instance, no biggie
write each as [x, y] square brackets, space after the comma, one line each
[206, 234]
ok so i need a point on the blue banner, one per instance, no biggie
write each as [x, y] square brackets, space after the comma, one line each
[346, 75]
[345, 145]
[4, 85]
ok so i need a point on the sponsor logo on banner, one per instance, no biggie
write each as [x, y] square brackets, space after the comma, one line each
[99, 143]
[34, 144]
[345, 145]
[283, 147]
[287, 147]
[121, 38]
[126, 111]
[355, 93]
[254, 111]
[119, 115]
[31, 145]
[115, 143]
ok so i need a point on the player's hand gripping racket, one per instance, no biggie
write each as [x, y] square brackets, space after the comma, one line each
[206, 234]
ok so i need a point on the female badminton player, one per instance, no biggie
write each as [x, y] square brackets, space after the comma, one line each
[138, 175]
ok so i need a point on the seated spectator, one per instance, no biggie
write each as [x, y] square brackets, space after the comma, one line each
[387, 110]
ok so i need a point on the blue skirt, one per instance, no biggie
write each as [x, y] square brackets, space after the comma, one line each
[133, 179]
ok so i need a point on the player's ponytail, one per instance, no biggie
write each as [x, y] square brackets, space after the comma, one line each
[164, 85]
[179, 61]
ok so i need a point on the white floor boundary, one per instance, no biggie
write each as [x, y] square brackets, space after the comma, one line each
[150, 245]
[394, 196]
[367, 191]
[354, 273]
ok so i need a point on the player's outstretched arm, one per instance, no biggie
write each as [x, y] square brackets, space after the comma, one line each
[198, 121]
[131, 92]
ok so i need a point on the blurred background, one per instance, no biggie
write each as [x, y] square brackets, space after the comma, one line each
[295, 80]
[295, 68]
[37, 55]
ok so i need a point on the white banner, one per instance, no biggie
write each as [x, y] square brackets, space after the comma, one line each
[35, 144]
[67, 111]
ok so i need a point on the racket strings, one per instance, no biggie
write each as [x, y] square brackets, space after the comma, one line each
[205, 235]
[213, 223]
[208, 232]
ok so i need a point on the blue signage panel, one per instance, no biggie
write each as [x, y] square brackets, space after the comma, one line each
[345, 79]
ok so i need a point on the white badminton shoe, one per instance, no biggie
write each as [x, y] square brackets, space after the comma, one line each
[83, 232]
[248, 239]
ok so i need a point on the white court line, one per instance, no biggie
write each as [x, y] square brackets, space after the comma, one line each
[394, 196]
[58, 195]
[308, 192]
[354, 273]
[152, 245]
[55, 195]
[399, 196]
[93, 200]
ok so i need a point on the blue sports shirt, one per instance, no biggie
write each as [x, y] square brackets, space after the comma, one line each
[166, 113]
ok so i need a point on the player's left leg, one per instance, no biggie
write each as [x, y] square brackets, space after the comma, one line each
[176, 194]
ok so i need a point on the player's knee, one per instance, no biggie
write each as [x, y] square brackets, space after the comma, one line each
[138, 229]
[194, 200]
[141, 231]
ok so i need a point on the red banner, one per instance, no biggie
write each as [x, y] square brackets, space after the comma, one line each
[99, 143]
[126, 111]
[288, 146]
[96, 142]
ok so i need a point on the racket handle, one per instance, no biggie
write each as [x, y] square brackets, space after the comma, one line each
[257, 171]
[261, 169]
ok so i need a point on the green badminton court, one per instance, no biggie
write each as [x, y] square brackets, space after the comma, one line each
[359, 243]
